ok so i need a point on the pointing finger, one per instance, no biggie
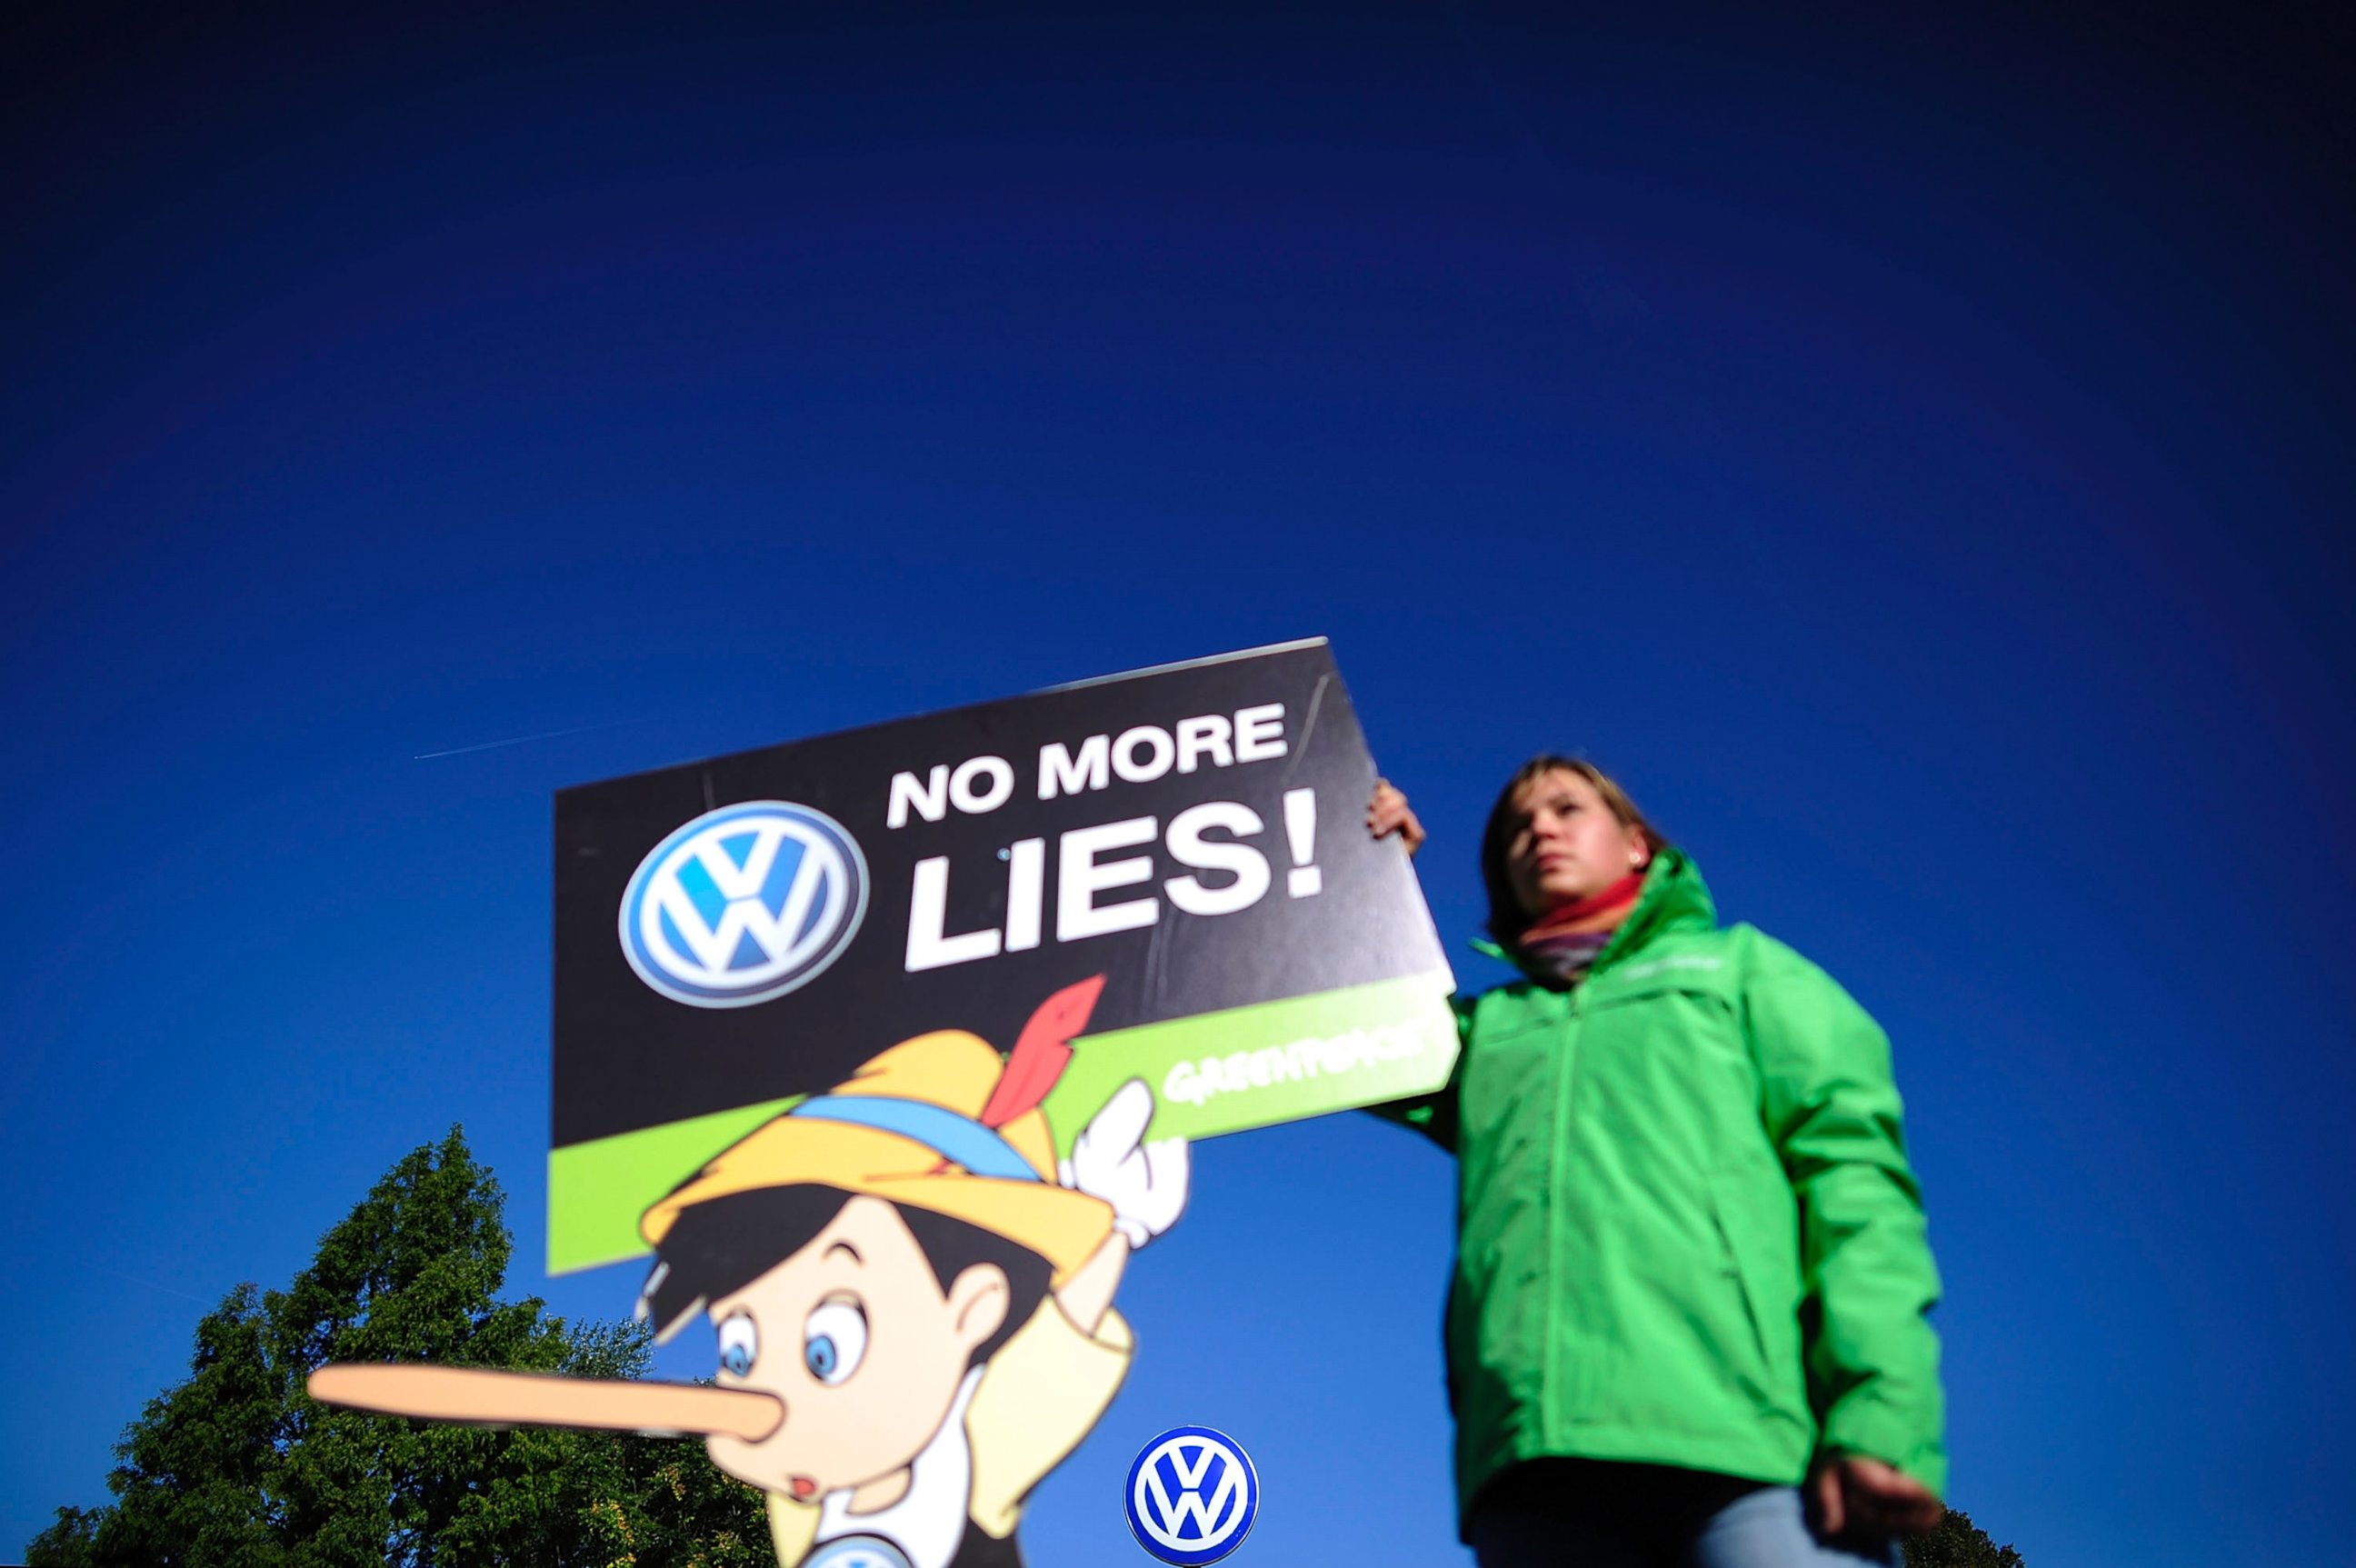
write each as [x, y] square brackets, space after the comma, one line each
[1122, 1123]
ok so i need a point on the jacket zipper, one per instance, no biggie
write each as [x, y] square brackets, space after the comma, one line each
[1566, 1074]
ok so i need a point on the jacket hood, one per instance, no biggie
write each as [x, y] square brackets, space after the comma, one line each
[1673, 898]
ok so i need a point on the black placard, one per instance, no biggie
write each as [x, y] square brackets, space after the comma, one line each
[1248, 729]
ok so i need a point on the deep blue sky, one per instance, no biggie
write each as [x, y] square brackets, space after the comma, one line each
[1910, 450]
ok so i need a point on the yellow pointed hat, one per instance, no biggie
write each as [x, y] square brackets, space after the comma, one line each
[935, 1123]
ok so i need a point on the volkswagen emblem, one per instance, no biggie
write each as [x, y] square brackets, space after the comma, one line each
[744, 903]
[856, 1551]
[1191, 1496]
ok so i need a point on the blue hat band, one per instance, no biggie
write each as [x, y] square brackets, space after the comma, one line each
[960, 1140]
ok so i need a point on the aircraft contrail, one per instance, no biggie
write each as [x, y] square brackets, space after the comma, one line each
[520, 739]
[151, 1285]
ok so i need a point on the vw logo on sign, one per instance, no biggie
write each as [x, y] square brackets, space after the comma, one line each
[744, 903]
[856, 1551]
[1191, 1496]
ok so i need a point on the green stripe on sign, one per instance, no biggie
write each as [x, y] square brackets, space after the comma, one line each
[596, 1190]
[1212, 1073]
[1271, 1062]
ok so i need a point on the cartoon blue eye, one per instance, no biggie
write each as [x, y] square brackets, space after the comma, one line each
[740, 1346]
[834, 1340]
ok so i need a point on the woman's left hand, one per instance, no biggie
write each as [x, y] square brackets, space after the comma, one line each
[1388, 813]
[1853, 1494]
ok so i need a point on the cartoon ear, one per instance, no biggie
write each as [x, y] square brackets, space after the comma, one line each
[979, 1299]
[1039, 1055]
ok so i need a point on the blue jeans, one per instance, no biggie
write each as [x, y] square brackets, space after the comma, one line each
[1566, 1513]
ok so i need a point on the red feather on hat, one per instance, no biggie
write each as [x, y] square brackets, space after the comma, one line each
[1039, 1053]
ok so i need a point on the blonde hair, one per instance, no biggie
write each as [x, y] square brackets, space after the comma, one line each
[1507, 919]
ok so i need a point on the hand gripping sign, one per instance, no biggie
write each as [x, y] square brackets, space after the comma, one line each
[781, 980]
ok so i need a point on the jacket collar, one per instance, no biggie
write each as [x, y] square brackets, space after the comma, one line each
[1675, 898]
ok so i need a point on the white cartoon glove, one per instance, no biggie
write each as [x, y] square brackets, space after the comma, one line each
[1145, 1183]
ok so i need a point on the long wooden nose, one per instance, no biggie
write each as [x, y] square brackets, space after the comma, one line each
[480, 1396]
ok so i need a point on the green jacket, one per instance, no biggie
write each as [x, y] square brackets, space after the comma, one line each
[1687, 1233]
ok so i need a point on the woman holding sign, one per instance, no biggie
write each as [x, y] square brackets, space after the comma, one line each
[1686, 1325]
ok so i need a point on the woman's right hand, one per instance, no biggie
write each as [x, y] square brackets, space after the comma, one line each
[1388, 813]
[1856, 1495]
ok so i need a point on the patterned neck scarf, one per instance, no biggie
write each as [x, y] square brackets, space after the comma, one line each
[1561, 947]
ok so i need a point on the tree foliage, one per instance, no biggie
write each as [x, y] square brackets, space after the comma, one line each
[1959, 1544]
[237, 1465]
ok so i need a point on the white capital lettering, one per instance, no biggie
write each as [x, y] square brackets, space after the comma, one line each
[1206, 735]
[1079, 877]
[1061, 772]
[928, 903]
[1026, 882]
[1158, 753]
[973, 802]
[1259, 731]
[931, 800]
[1188, 847]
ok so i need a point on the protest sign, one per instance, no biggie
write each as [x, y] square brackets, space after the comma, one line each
[737, 934]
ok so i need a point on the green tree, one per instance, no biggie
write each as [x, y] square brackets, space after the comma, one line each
[237, 1465]
[1959, 1544]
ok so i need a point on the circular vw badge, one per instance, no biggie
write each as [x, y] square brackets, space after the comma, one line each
[1191, 1496]
[744, 903]
[856, 1551]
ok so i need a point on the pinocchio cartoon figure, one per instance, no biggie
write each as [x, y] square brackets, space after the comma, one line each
[913, 1302]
